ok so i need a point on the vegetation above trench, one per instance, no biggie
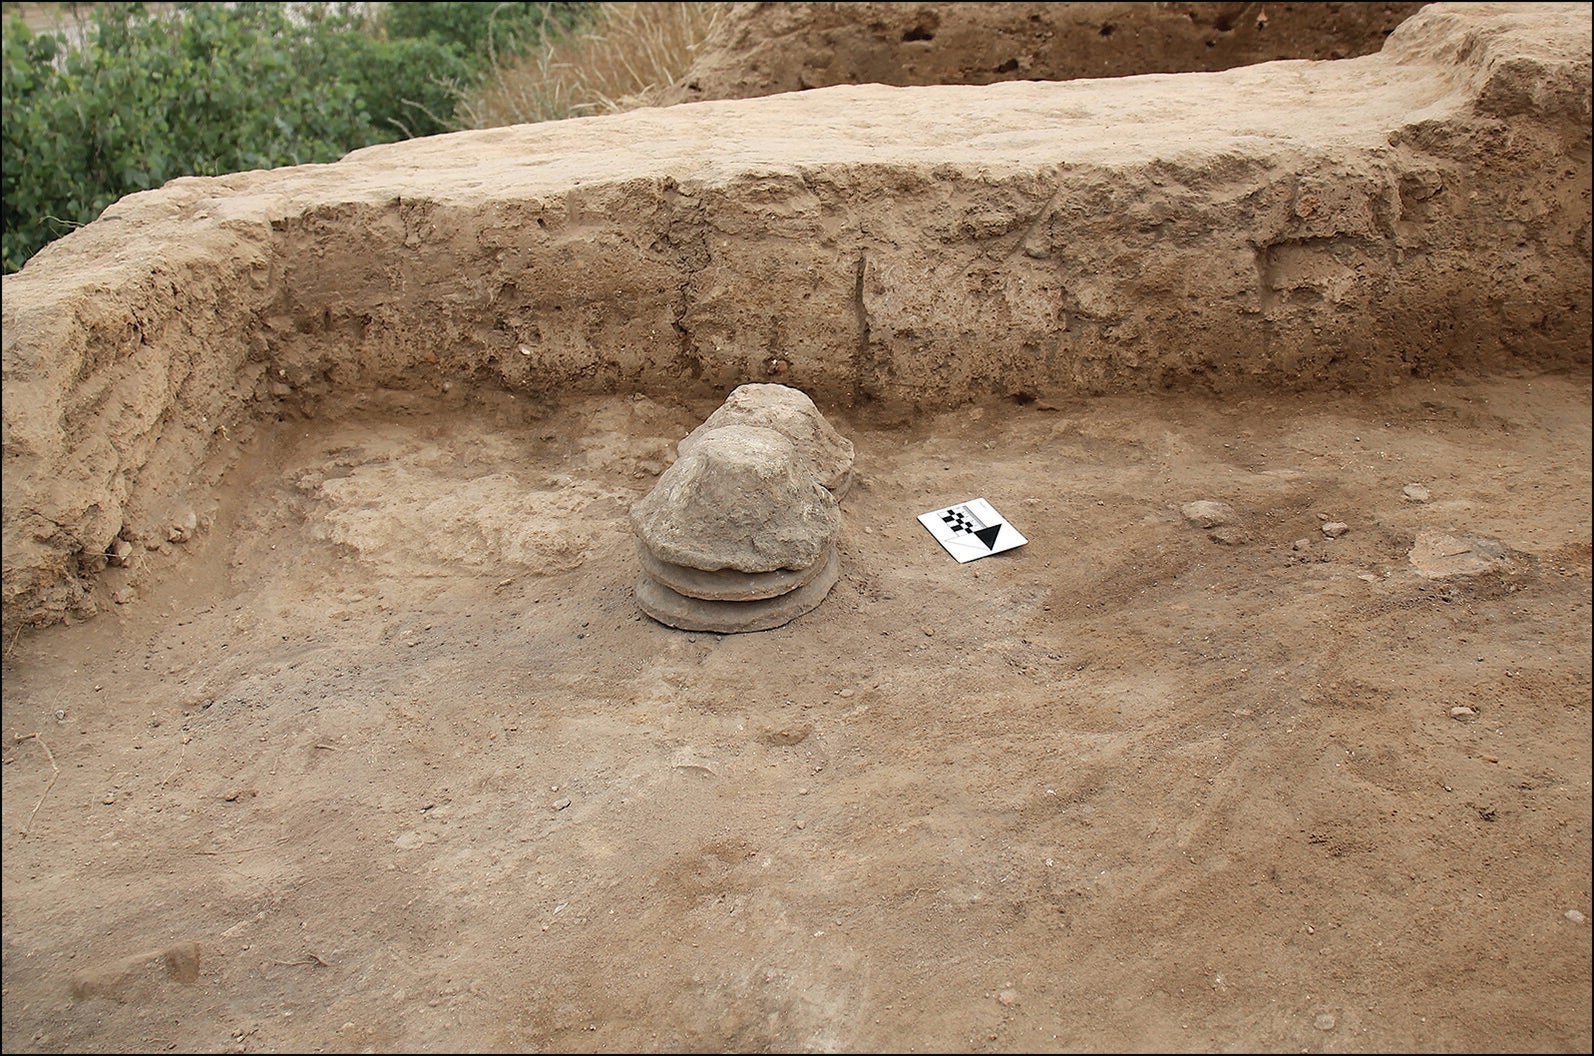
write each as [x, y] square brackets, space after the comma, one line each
[104, 100]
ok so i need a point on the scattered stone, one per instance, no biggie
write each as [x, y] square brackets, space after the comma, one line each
[1206, 513]
[134, 978]
[1325, 1021]
[684, 758]
[1007, 998]
[561, 804]
[1461, 713]
[1575, 917]
[120, 552]
[786, 736]
[1335, 529]
[183, 529]
[1436, 554]
[1227, 535]
[1415, 493]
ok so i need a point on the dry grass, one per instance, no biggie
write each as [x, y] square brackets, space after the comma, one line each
[624, 60]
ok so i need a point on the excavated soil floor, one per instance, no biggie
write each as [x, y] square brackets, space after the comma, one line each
[386, 758]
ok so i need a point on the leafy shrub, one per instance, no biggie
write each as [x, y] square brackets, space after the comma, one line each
[481, 30]
[210, 88]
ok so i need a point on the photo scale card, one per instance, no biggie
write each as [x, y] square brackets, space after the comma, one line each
[971, 530]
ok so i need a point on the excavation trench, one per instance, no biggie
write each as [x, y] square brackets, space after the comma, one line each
[332, 721]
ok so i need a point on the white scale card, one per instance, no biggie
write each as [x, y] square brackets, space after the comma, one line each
[971, 530]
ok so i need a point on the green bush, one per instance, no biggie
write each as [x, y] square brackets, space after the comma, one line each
[210, 88]
[479, 30]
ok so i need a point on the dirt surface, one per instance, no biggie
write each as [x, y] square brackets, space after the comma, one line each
[388, 760]
[1275, 735]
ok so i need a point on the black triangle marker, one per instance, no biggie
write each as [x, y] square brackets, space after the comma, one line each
[988, 535]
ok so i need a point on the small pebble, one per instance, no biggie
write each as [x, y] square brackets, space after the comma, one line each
[1415, 493]
[1207, 513]
[1325, 1021]
[1461, 711]
[561, 804]
[1575, 917]
[1007, 998]
[1335, 529]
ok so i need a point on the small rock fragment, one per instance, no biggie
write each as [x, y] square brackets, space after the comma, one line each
[129, 979]
[1227, 535]
[1206, 513]
[1437, 554]
[183, 529]
[788, 735]
[1335, 529]
[1415, 493]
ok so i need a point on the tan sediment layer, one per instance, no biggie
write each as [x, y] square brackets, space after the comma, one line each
[1292, 224]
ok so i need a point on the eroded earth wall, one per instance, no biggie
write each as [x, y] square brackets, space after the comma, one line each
[1290, 224]
[765, 48]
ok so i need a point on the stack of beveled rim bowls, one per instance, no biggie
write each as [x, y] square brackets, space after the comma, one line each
[740, 533]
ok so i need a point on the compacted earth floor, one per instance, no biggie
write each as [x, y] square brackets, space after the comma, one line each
[385, 758]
